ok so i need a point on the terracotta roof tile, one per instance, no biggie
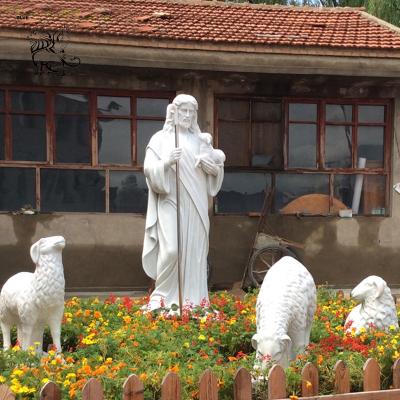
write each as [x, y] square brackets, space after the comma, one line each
[204, 21]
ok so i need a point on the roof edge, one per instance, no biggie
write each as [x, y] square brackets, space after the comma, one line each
[381, 22]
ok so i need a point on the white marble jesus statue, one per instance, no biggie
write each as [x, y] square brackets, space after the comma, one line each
[200, 175]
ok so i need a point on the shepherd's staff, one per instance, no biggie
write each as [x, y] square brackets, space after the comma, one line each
[178, 216]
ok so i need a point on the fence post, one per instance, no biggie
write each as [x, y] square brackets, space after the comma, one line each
[208, 386]
[50, 391]
[276, 383]
[396, 374]
[171, 387]
[372, 375]
[92, 390]
[342, 378]
[6, 393]
[133, 388]
[309, 380]
[242, 385]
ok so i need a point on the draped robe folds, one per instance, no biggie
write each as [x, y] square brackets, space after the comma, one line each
[160, 241]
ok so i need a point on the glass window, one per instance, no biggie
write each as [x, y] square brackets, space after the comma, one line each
[263, 111]
[151, 107]
[128, 192]
[370, 145]
[291, 191]
[114, 141]
[145, 130]
[72, 139]
[267, 143]
[371, 114]
[302, 146]
[242, 192]
[302, 112]
[234, 110]
[71, 103]
[17, 188]
[338, 113]
[111, 105]
[29, 138]
[1, 99]
[233, 141]
[72, 190]
[338, 144]
[28, 101]
[2, 144]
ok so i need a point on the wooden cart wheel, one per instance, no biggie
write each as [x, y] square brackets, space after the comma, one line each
[263, 259]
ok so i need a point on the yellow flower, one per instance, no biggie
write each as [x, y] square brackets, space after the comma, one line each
[201, 337]
[45, 380]
[17, 372]
[2, 379]
[308, 385]
[186, 344]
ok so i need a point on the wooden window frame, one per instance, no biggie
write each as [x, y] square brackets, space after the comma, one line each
[92, 93]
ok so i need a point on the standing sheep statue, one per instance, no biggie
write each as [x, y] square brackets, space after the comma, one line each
[32, 300]
[377, 306]
[285, 310]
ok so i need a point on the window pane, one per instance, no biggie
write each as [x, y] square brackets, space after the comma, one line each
[71, 103]
[302, 146]
[262, 111]
[291, 187]
[2, 152]
[28, 101]
[1, 99]
[370, 145]
[72, 139]
[151, 107]
[371, 114]
[234, 110]
[339, 113]
[338, 141]
[302, 112]
[145, 130]
[17, 188]
[72, 190]
[29, 137]
[267, 145]
[113, 105]
[233, 141]
[242, 192]
[114, 141]
[372, 200]
[128, 192]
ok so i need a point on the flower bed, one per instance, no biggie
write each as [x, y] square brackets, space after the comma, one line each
[112, 339]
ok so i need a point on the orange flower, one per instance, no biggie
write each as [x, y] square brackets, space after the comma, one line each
[175, 368]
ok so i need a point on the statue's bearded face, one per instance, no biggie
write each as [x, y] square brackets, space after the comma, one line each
[186, 114]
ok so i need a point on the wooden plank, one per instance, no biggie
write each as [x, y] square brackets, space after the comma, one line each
[133, 388]
[276, 383]
[6, 393]
[342, 378]
[396, 374]
[242, 385]
[208, 386]
[50, 391]
[372, 375]
[309, 380]
[171, 387]
[92, 390]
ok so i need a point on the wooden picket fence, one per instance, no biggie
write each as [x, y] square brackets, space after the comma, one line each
[133, 388]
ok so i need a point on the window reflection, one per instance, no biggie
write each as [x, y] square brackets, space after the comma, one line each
[145, 130]
[302, 112]
[267, 145]
[262, 111]
[242, 192]
[233, 141]
[338, 142]
[71, 103]
[371, 114]
[28, 101]
[302, 146]
[114, 141]
[151, 107]
[128, 192]
[17, 188]
[234, 110]
[111, 105]
[370, 145]
[338, 113]
[72, 190]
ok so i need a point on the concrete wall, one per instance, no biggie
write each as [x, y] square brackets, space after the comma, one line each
[103, 251]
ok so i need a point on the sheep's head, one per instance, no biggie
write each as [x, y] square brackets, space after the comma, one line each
[48, 245]
[371, 287]
[276, 349]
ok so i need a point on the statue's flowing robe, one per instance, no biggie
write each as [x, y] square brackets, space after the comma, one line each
[160, 241]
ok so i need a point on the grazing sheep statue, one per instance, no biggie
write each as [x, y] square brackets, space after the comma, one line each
[285, 310]
[377, 306]
[32, 300]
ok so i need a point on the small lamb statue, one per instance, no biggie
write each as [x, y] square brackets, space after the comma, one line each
[207, 150]
[377, 306]
[285, 310]
[32, 300]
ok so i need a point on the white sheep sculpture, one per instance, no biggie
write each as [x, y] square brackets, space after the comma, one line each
[377, 307]
[32, 300]
[285, 310]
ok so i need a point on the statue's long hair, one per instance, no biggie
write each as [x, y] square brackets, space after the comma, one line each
[169, 125]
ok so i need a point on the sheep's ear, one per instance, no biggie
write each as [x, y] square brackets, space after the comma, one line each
[254, 340]
[380, 286]
[35, 251]
[286, 341]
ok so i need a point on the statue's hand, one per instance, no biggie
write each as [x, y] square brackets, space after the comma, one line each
[209, 166]
[174, 156]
